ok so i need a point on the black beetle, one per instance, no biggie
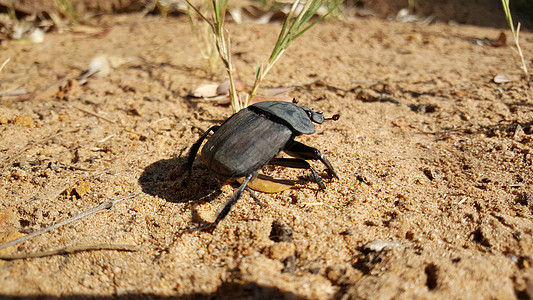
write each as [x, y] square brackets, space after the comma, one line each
[251, 139]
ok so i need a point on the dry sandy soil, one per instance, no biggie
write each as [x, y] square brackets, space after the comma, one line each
[434, 201]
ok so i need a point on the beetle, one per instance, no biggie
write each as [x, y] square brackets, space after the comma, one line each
[252, 138]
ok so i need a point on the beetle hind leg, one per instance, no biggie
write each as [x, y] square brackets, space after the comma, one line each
[227, 207]
[299, 164]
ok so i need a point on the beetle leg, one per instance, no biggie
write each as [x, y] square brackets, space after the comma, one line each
[227, 207]
[196, 147]
[299, 150]
[300, 164]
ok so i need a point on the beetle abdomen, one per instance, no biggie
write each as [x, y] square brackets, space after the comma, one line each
[244, 144]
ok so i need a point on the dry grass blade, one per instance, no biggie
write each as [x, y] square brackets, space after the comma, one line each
[223, 44]
[516, 35]
[94, 114]
[67, 9]
[293, 27]
[4, 63]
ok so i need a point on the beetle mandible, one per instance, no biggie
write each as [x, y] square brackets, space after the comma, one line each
[252, 138]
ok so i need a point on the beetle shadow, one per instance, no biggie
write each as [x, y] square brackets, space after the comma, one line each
[169, 180]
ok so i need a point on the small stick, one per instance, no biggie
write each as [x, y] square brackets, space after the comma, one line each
[106, 138]
[70, 250]
[94, 114]
[107, 204]
[4, 63]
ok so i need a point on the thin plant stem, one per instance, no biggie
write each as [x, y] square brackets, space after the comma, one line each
[292, 28]
[67, 9]
[205, 39]
[223, 44]
[4, 63]
[516, 35]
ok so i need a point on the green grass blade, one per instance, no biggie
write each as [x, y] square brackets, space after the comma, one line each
[317, 20]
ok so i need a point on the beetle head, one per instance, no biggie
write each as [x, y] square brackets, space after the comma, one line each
[316, 117]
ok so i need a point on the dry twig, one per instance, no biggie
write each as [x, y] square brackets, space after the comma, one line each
[106, 205]
[94, 114]
[70, 250]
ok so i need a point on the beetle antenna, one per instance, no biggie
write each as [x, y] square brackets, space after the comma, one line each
[335, 117]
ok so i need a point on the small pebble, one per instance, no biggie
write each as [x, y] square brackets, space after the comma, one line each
[24, 121]
[378, 245]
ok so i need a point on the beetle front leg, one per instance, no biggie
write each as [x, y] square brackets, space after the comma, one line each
[299, 164]
[299, 150]
[227, 207]
[196, 147]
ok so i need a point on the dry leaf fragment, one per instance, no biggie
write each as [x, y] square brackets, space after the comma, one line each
[68, 86]
[49, 92]
[501, 41]
[211, 91]
[224, 87]
[205, 91]
[500, 78]
[268, 184]
[101, 65]
[85, 29]
[236, 14]
[264, 18]
[224, 101]
[59, 89]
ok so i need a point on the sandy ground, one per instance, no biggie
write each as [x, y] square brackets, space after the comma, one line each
[434, 201]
